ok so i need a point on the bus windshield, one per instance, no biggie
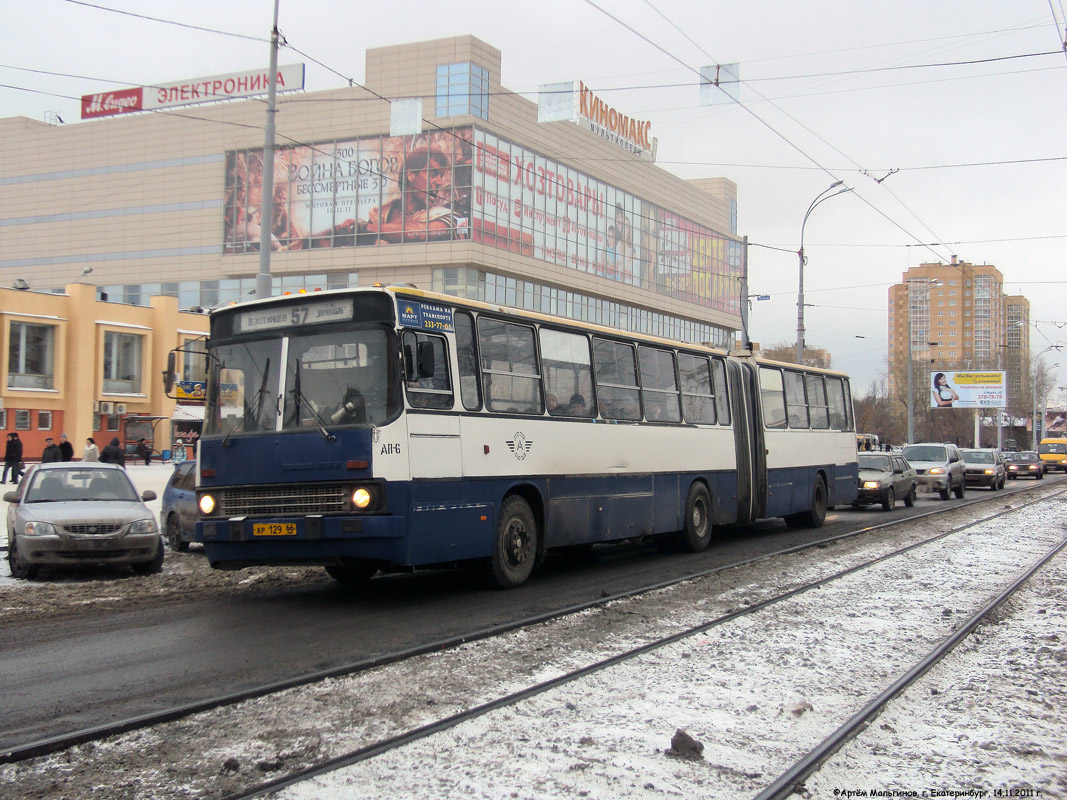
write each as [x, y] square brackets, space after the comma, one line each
[330, 379]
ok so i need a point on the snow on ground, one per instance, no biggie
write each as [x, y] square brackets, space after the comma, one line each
[761, 691]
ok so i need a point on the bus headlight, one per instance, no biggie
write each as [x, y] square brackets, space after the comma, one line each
[361, 498]
[207, 505]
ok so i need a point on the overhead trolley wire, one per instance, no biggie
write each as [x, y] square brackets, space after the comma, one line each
[168, 21]
[763, 122]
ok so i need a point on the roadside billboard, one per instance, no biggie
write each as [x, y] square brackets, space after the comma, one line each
[968, 390]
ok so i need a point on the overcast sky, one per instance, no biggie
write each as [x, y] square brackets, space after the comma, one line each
[955, 96]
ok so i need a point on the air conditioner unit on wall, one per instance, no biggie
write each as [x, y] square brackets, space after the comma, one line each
[120, 408]
[107, 408]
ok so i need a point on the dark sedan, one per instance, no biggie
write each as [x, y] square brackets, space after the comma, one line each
[984, 467]
[883, 477]
[1026, 464]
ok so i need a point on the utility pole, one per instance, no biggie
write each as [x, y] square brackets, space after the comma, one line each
[745, 345]
[266, 215]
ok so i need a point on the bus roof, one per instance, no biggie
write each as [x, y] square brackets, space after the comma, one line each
[410, 290]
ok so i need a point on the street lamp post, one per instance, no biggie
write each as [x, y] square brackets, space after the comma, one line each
[823, 195]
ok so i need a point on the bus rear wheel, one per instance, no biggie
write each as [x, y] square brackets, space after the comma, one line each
[697, 532]
[516, 544]
[815, 516]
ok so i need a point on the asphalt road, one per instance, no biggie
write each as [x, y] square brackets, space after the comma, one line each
[66, 674]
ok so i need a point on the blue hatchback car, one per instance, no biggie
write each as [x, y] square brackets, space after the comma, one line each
[178, 512]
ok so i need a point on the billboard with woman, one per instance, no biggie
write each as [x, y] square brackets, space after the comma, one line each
[377, 190]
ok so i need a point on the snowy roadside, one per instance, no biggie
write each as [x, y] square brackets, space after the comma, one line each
[761, 691]
[602, 736]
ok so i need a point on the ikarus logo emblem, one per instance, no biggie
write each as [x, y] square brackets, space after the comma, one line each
[520, 445]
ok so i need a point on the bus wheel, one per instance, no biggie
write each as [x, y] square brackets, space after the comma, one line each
[516, 545]
[814, 516]
[697, 532]
[353, 573]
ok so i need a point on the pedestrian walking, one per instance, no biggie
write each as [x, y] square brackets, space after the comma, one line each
[112, 454]
[144, 451]
[13, 458]
[91, 451]
[51, 452]
[66, 449]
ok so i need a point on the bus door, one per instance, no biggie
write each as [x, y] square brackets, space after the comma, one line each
[748, 440]
[433, 434]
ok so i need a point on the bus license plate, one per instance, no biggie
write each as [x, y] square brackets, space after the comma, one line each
[274, 529]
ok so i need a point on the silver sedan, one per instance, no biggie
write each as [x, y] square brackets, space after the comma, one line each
[68, 513]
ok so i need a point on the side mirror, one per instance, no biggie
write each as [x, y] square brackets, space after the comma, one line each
[148, 495]
[168, 376]
[418, 362]
[11, 497]
[426, 359]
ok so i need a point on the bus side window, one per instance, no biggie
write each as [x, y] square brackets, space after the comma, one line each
[772, 392]
[567, 367]
[659, 387]
[722, 399]
[835, 396]
[820, 417]
[698, 401]
[510, 374]
[433, 391]
[616, 380]
[796, 404]
[466, 354]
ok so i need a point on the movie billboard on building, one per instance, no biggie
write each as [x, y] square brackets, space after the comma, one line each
[468, 184]
[968, 390]
[533, 205]
[376, 190]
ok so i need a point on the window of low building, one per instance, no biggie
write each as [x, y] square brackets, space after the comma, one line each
[31, 356]
[122, 362]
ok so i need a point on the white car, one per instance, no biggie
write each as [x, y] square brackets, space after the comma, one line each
[939, 466]
[69, 513]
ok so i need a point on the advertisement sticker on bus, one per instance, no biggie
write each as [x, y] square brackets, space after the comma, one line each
[426, 316]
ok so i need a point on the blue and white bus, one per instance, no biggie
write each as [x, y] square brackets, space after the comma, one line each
[384, 428]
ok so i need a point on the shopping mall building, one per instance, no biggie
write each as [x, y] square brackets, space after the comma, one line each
[570, 217]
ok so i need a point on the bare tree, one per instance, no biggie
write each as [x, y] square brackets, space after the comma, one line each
[786, 352]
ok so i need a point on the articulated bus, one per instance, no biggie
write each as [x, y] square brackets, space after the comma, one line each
[391, 428]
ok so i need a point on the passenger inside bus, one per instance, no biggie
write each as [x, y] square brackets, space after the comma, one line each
[577, 406]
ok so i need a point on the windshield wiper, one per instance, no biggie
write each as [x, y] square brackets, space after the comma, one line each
[249, 414]
[302, 401]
